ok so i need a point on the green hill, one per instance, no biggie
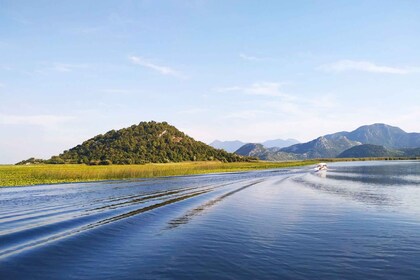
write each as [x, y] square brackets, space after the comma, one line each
[369, 150]
[414, 152]
[147, 142]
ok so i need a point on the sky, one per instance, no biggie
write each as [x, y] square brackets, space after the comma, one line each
[227, 70]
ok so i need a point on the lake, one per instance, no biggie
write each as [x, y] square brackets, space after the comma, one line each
[358, 220]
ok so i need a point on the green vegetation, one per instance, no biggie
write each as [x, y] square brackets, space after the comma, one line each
[21, 175]
[151, 149]
[147, 142]
[368, 150]
[24, 175]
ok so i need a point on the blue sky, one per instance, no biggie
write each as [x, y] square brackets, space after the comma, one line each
[247, 70]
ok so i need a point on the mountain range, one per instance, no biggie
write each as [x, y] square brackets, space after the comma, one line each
[383, 135]
[263, 153]
[159, 142]
[228, 146]
[392, 140]
[232, 146]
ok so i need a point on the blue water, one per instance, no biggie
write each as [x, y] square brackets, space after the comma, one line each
[356, 221]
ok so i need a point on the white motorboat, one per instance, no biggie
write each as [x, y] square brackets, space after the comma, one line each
[322, 166]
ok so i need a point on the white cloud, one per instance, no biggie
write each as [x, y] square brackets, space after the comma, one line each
[6, 67]
[259, 88]
[364, 66]
[117, 91]
[20, 18]
[244, 114]
[249, 57]
[65, 67]
[193, 111]
[228, 89]
[85, 30]
[281, 121]
[282, 105]
[327, 101]
[285, 108]
[164, 70]
[407, 119]
[41, 120]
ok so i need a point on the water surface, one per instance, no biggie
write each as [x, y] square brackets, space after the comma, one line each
[357, 220]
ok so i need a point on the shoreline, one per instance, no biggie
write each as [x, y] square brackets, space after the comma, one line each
[47, 174]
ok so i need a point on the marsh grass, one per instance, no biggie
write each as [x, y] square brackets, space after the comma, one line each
[23, 175]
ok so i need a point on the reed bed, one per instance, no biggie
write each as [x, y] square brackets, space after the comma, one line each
[24, 175]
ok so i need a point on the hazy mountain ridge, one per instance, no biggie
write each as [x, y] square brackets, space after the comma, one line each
[322, 147]
[280, 143]
[271, 154]
[228, 146]
[384, 135]
[232, 146]
[385, 141]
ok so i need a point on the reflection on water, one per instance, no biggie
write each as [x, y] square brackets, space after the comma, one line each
[349, 190]
[358, 220]
[321, 173]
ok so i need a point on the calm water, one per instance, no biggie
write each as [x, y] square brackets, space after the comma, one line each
[359, 221]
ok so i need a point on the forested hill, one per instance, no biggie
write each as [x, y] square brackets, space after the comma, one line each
[146, 142]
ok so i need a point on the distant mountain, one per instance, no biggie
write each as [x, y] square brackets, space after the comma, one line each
[332, 145]
[322, 147]
[253, 149]
[259, 151]
[232, 146]
[384, 135]
[143, 143]
[369, 150]
[279, 143]
[228, 146]
[161, 142]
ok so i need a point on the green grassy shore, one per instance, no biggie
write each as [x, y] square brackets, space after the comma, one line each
[25, 175]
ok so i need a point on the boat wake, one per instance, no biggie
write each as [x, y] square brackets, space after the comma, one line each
[60, 217]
